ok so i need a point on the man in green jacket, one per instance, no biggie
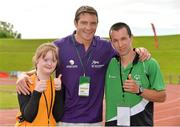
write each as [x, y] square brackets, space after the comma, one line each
[131, 85]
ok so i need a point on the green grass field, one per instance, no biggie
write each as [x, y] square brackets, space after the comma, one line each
[16, 55]
[8, 97]
[168, 54]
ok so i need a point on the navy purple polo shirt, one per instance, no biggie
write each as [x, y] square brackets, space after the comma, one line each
[95, 60]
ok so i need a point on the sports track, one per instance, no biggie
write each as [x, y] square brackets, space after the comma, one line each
[166, 114]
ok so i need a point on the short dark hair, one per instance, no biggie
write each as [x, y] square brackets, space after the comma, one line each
[85, 9]
[119, 25]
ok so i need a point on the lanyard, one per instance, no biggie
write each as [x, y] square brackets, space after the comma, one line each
[48, 112]
[79, 57]
[136, 58]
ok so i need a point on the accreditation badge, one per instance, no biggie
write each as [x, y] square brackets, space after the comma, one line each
[84, 85]
[123, 116]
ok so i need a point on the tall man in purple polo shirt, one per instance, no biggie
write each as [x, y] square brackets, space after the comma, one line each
[83, 61]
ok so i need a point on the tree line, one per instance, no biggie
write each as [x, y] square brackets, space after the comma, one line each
[7, 31]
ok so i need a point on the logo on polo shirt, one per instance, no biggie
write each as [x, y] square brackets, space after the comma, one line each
[71, 64]
[138, 79]
[112, 76]
[96, 64]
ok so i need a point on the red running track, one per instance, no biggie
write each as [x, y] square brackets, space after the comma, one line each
[168, 113]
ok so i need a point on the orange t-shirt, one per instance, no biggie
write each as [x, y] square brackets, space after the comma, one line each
[42, 115]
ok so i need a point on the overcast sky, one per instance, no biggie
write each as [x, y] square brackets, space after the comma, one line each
[54, 18]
